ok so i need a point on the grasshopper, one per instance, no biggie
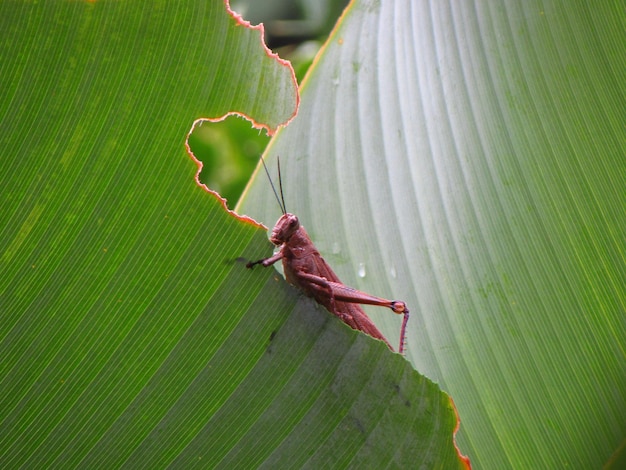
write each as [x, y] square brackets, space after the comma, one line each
[305, 268]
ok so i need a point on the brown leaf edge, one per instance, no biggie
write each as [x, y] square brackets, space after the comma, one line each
[256, 125]
[464, 459]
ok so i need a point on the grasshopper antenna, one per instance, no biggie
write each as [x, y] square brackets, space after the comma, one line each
[280, 204]
[280, 186]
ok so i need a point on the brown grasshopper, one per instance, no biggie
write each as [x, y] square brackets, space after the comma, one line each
[306, 269]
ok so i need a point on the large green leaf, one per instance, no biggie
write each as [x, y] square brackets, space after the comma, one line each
[469, 158]
[130, 332]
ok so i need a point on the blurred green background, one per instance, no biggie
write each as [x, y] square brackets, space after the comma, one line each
[295, 30]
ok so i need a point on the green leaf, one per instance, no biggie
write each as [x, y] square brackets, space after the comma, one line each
[131, 333]
[468, 158]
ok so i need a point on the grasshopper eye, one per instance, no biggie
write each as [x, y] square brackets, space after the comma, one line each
[293, 224]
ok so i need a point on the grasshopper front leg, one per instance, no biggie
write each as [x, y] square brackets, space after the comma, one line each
[265, 262]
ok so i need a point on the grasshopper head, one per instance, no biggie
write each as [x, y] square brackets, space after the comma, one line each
[286, 226]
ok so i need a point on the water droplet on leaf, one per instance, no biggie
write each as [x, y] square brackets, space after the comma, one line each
[361, 272]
